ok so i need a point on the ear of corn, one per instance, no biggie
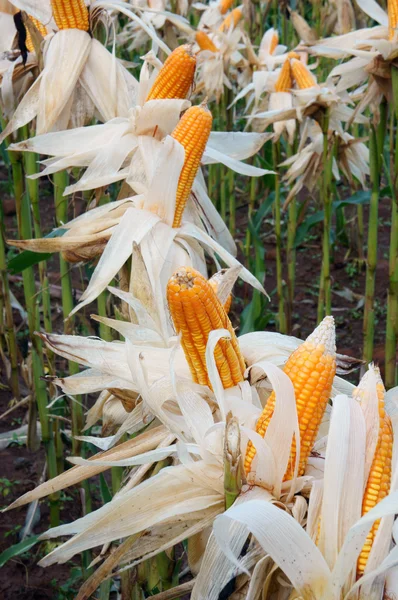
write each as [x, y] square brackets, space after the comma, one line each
[284, 82]
[40, 28]
[175, 78]
[392, 17]
[302, 75]
[379, 480]
[225, 5]
[204, 42]
[274, 42]
[311, 369]
[196, 311]
[192, 132]
[70, 14]
[231, 20]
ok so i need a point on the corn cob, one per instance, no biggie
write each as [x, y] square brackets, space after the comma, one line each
[175, 78]
[215, 284]
[379, 480]
[311, 369]
[274, 42]
[225, 5]
[70, 14]
[284, 82]
[196, 311]
[302, 75]
[231, 20]
[204, 42]
[392, 8]
[40, 28]
[192, 132]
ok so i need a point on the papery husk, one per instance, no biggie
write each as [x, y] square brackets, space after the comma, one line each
[303, 29]
[137, 445]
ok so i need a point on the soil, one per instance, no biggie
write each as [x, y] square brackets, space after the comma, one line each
[21, 578]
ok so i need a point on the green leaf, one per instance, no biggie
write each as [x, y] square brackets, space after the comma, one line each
[27, 259]
[18, 549]
[361, 197]
[105, 492]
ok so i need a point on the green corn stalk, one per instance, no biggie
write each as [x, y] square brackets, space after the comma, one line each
[60, 182]
[280, 284]
[325, 291]
[371, 261]
[24, 220]
[391, 373]
[8, 328]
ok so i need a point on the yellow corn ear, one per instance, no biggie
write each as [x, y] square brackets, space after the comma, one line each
[215, 284]
[302, 75]
[231, 20]
[40, 28]
[196, 311]
[175, 78]
[204, 42]
[284, 82]
[274, 42]
[70, 14]
[192, 132]
[379, 480]
[225, 5]
[311, 368]
[392, 8]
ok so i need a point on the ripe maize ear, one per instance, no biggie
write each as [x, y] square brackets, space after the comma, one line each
[196, 311]
[284, 82]
[274, 42]
[301, 75]
[175, 78]
[392, 9]
[192, 132]
[40, 28]
[215, 282]
[70, 14]
[225, 5]
[231, 20]
[204, 42]
[311, 368]
[379, 480]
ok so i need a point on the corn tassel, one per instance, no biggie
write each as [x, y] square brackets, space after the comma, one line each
[311, 368]
[175, 78]
[70, 14]
[225, 5]
[392, 8]
[274, 42]
[231, 20]
[215, 284]
[192, 132]
[302, 75]
[284, 82]
[196, 311]
[204, 42]
[40, 28]
[379, 480]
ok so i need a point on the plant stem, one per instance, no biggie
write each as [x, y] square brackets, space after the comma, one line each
[391, 372]
[325, 292]
[371, 261]
[291, 255]
[280, 284]
[24, 220]
[9, 329]
[61, 213]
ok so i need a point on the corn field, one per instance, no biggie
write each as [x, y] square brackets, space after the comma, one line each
[199, 299]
